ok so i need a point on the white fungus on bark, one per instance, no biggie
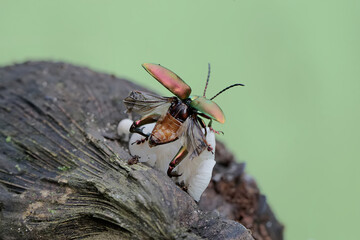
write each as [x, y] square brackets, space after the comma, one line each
[123, 129]
[195, 173]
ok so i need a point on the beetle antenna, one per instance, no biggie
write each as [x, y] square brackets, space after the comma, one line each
[207, 80]
[234, 85]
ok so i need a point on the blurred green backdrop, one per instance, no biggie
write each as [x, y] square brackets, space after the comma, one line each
[296, 123]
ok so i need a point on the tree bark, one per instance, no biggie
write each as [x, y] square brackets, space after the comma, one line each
[61, 179]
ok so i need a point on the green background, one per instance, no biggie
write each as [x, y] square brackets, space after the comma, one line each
[296, 123]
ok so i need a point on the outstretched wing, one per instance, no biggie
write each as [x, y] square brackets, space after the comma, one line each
[145, 103]
[193, 137]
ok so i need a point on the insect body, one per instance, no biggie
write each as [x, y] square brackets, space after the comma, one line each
[177, 117]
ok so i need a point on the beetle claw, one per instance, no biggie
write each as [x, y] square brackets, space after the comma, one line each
[217, 132]
[210, 149]
[182, 186]
[175, 174]
[133, 160]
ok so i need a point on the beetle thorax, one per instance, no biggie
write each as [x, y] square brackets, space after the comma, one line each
[179, 110]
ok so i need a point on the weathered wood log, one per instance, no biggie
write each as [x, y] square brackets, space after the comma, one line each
[61, 179]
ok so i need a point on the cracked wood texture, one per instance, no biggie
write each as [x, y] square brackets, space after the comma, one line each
[61, 179]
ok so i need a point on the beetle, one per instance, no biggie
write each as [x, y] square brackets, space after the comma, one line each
[177, 117]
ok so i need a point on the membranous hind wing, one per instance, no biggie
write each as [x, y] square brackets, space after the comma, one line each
[193, 137]
[146, 104]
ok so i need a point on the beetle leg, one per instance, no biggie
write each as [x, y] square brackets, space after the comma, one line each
[176, 160]
[217, 132]
[136, 126]
[140, 141]
[202, 123]
[213, 130]
[210, 123]
[209, 147]
[182, 186]
[133, 160]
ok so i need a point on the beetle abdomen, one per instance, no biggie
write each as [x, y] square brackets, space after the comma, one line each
[166, 130]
